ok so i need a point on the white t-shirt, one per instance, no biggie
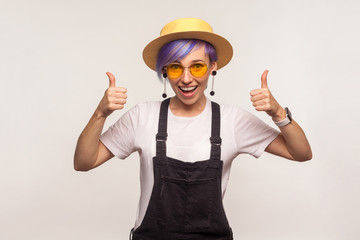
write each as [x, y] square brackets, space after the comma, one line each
[188, 140]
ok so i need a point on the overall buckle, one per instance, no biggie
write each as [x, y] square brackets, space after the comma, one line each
[216, 140]
[161, 137]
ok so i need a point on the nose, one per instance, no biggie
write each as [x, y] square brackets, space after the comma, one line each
[187, 77]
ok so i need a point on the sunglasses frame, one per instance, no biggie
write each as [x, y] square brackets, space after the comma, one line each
[166, 70]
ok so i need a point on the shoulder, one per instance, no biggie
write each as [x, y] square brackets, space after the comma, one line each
[235, 117]
[144, 108]
[139, 113]
[148, 108]
[230, 110]
[149, 105]
[144, 113]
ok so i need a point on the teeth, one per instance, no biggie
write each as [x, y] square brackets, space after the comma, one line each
[187, 88]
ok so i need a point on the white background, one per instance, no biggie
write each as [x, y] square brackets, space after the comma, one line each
[53, 59]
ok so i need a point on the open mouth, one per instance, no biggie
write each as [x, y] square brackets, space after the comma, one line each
[188, 90]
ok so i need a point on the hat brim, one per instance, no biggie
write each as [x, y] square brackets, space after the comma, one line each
[222, 46]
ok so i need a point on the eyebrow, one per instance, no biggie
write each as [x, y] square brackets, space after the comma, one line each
[198, 60]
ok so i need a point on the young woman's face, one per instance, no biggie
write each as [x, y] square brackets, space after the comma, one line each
[188, 88]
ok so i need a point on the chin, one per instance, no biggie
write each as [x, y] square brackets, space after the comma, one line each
[191, 100]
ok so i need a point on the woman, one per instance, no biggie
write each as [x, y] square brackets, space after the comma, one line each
[186, 143]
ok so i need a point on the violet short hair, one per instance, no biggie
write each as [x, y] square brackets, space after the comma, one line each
[178, 49]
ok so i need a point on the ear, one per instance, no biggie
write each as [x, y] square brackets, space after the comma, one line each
[213, 66]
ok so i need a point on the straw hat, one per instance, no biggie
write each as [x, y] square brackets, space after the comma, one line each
[188, 28]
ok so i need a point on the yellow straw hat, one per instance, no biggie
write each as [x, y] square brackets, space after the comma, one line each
[188, 28]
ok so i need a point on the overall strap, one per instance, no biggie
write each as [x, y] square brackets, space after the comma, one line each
[215, 138]
[161, 136]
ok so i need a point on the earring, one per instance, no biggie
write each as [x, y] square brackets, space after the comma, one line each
[164, 94]
[213, 73]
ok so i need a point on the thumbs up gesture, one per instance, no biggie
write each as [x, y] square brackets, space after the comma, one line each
[114, 98]
[263, 100]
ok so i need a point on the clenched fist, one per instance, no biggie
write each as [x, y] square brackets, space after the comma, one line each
[114, 98]
[263, 100]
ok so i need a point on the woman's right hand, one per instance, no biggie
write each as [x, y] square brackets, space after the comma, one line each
[114, 98]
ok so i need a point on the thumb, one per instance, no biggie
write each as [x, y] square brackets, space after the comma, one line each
[264, 79]
[111, 79]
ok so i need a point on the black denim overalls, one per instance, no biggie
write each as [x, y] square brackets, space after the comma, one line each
[186, 200]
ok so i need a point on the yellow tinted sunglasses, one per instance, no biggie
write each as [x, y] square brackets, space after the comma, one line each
[176, 70]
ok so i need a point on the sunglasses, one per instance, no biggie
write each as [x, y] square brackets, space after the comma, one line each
[176, 70]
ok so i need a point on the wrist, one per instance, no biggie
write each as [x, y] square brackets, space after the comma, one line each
[285, 121]
[99, 115]
[280, 115]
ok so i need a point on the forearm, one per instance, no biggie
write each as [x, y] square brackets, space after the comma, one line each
[90, 152]
[87, 150]
[296, 142]
[292, 142]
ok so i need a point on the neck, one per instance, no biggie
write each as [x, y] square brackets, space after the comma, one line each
[179, 108]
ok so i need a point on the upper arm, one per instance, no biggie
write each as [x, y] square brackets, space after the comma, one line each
[104, 155]
[278, 147]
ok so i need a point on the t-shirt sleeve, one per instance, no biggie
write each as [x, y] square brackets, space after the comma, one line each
[120, 137]
[252, 135]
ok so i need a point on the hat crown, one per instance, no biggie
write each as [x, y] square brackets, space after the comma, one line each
[186, 25]
[188, 28]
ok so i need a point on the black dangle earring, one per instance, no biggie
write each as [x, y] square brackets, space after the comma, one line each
[164, 94]
[213, 73]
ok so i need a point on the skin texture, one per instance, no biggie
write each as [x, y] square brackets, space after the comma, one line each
[90, 152]
[291, 143]
[188, 106]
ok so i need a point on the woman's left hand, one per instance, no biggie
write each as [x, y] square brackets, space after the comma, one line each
[263, 100]
[291, 143]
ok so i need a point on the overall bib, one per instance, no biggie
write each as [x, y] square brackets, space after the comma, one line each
[186, 200]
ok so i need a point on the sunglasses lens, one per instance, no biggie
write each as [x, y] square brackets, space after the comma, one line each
[174, 70]
[198, 69]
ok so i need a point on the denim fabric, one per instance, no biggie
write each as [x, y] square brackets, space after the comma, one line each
[186, 201]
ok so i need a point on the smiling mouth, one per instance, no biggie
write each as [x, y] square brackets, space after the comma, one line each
[188, 89]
